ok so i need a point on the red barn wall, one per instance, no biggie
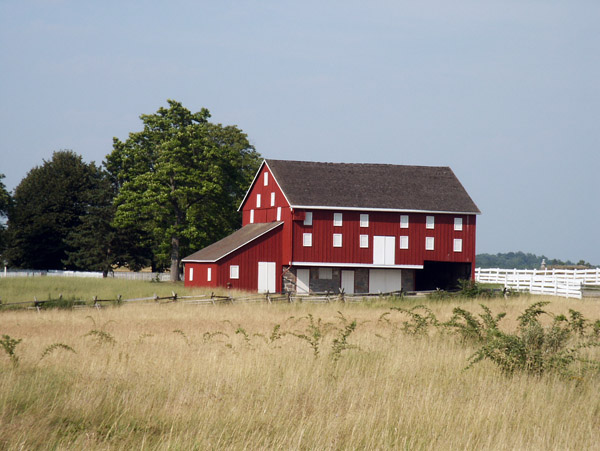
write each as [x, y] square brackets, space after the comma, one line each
[383, 224]
[200, 278]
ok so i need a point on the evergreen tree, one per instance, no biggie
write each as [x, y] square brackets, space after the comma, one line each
[47, 205]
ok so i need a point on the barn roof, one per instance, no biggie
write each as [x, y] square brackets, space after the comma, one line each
[231, 243]
[308, 184]
[358, 186]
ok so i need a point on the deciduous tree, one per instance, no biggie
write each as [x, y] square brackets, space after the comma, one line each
[181, 179]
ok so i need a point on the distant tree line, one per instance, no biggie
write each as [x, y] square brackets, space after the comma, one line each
[521, 260]
[163, 193]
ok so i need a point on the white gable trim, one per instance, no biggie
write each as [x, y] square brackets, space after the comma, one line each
[277, 224]
[391, 210]
[264, 163]
[252, 184]
[356, 265]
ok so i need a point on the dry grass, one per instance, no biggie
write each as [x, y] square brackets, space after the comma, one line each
[180, 377]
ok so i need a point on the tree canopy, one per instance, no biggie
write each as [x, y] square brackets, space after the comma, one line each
[180, 181]
[47, 206]
[5, 202]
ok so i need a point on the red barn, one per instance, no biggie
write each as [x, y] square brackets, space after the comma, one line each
[363, 228]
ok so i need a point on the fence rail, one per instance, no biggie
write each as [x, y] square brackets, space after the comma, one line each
[212, 299]
[554, 282]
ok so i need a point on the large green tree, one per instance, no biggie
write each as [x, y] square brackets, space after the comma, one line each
[181, 180]
[5, 202]
[95, 244]
[47, 205]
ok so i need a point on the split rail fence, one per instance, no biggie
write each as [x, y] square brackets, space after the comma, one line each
[211, 299]
[569, 283]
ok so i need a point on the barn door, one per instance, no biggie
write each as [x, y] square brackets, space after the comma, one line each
[266, 277]
[302, 281]
[385, 280]
[348, 281]
[384, 250]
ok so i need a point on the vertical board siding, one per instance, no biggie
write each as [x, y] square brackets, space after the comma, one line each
[266, 212]
[200, 275]
[384, 224]
[266, 248]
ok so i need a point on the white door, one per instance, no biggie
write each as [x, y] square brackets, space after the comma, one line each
[348, 281]
[266, 277]
[384, 250]
[302, 281]
[385, 280]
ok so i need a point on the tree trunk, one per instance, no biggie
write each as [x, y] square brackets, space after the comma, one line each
[174, 259]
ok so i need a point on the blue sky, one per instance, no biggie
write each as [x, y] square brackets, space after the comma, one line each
[506, 93]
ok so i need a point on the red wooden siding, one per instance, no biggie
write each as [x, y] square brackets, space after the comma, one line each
[200, 278]
[383, 224]
[266, 212]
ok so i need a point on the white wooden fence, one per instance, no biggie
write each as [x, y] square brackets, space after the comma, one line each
[555, 282]
[163, 277]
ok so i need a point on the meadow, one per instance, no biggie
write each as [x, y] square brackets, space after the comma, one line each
[292, 376]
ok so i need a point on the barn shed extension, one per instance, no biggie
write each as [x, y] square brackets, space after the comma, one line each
[312, 227]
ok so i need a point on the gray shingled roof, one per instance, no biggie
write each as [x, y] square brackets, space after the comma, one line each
[230, 243]
[371, 186]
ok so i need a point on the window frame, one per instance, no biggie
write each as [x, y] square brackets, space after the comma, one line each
[458, 245]
[339, 238]
[458, 224]
[266, 179]
[363, 241]
[209, 274]
[307, 239]
[404, 241]
[338, 219]
[258, 199]
[272, 198]
[429, 243]
[252, 216]
[430, 222]
[364, 220]
[404, 221]
[308, 218]
[234, 272]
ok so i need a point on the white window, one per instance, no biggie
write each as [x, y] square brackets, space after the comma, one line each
[279, 213]
[337, 219]
[272, 199]
[234, 272]
[364, 241]
[307, 239]
[404, 221]
[364, 220]
[404, 242]
[258, 201]
[325, 273]
[430, 222]
[266, 178]
[308, 218]
[191, 274]
[337, 240]
[458, 224]
[429, 243]
[209, 274]
[251, 216]
[458, 245]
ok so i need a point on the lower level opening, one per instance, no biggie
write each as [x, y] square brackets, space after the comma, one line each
[442, 275]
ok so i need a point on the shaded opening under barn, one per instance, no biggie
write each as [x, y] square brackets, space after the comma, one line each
[442, 275]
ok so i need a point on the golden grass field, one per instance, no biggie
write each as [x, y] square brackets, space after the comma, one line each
[172, 376]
